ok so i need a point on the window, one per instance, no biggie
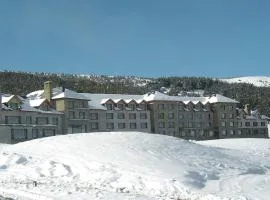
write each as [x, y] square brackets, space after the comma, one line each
[161, 106]
[34, 133]
[230, 116]
[247, 123]
[161, 125]
[120, 106]
[262, 123]
[71, 104]
[132, 115]
[190, 124]
[171, 124]
[222, 116]
[171, 106]
[190, 116]
[132, 106]
[48, 132]
[143, 115]
[171, 115]
[161, 115]
[232, 132]
[13, 119]
[93, 116]
[143, 125]
[211, 133]
[192, 133]
[18, 134]
[198, 124]
[121, 115]
[55, 121]
[142, 106]
[28, 120]
[82, 115]
[180, 116]
[109, 106]
[109, 115]
[93, 126]
[180, 107]
[110, 125]
[42, 120]
[71, 114]
[223, 124]
[231, 123]
[255, 123]
[230, 107]
[239, 132]
[223, 132]
[14, 106]
[133, 125]
[121, 125]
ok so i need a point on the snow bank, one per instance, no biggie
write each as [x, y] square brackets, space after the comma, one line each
[133, 165]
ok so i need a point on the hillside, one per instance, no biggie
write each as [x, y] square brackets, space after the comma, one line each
[133, 165]
[258, 81]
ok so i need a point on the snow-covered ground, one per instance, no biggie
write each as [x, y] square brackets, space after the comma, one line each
[133, 165]
[259, 81]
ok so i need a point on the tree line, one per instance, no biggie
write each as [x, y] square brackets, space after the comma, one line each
[22, 83]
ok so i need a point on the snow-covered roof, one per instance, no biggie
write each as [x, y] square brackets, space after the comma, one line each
[69, 94]
[217, 98]
[36, 102]
[57, 93]
[98, 99]
[6, 98]
[158, 96]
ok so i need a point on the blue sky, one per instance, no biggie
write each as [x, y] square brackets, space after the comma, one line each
[149, 38]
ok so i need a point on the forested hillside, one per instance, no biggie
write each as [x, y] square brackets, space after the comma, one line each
[22, 83]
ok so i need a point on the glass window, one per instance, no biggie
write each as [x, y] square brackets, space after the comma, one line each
[255, 123]
[171, 124]
[13, 119]
[231, 123]
[109, 106]
[18, 134]
[93, 116]
[110, 125]
[222, 115]
[71, 114]
[133, 125]
[109, 115]
[161, 115]
[223, 124]
[143, 115]
[55, 121]
[171, 115]
[161, 125]
[94, 125]
[121, 115]
[132, 115]
[247, 123]
[161, 106]
[42, 120]
[82, 115]
[120, 106]
[143, 125]
[121, 125]
[262, 123]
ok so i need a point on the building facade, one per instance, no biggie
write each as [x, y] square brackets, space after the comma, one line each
[53, 111]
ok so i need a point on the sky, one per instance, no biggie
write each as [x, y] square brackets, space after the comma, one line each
[147, 38]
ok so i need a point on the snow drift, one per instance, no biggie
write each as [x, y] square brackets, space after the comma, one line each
[133, 165]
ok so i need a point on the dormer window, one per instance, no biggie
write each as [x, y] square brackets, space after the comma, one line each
[120, 106]
[109, 106]
[132, 106]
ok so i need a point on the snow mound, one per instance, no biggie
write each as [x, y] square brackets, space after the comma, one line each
[131, 165]
[259, 81]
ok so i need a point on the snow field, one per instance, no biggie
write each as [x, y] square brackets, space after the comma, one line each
[133, 165]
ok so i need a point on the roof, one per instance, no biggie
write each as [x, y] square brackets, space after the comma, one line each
[36, 102]
[98, 99]
[158, 96]
[57, 93]
[6, 98]
[69, 94]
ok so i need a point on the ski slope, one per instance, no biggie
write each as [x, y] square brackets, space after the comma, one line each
[133, 165]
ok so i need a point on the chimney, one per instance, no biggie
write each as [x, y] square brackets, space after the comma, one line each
[247, 109]
[48, 90]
